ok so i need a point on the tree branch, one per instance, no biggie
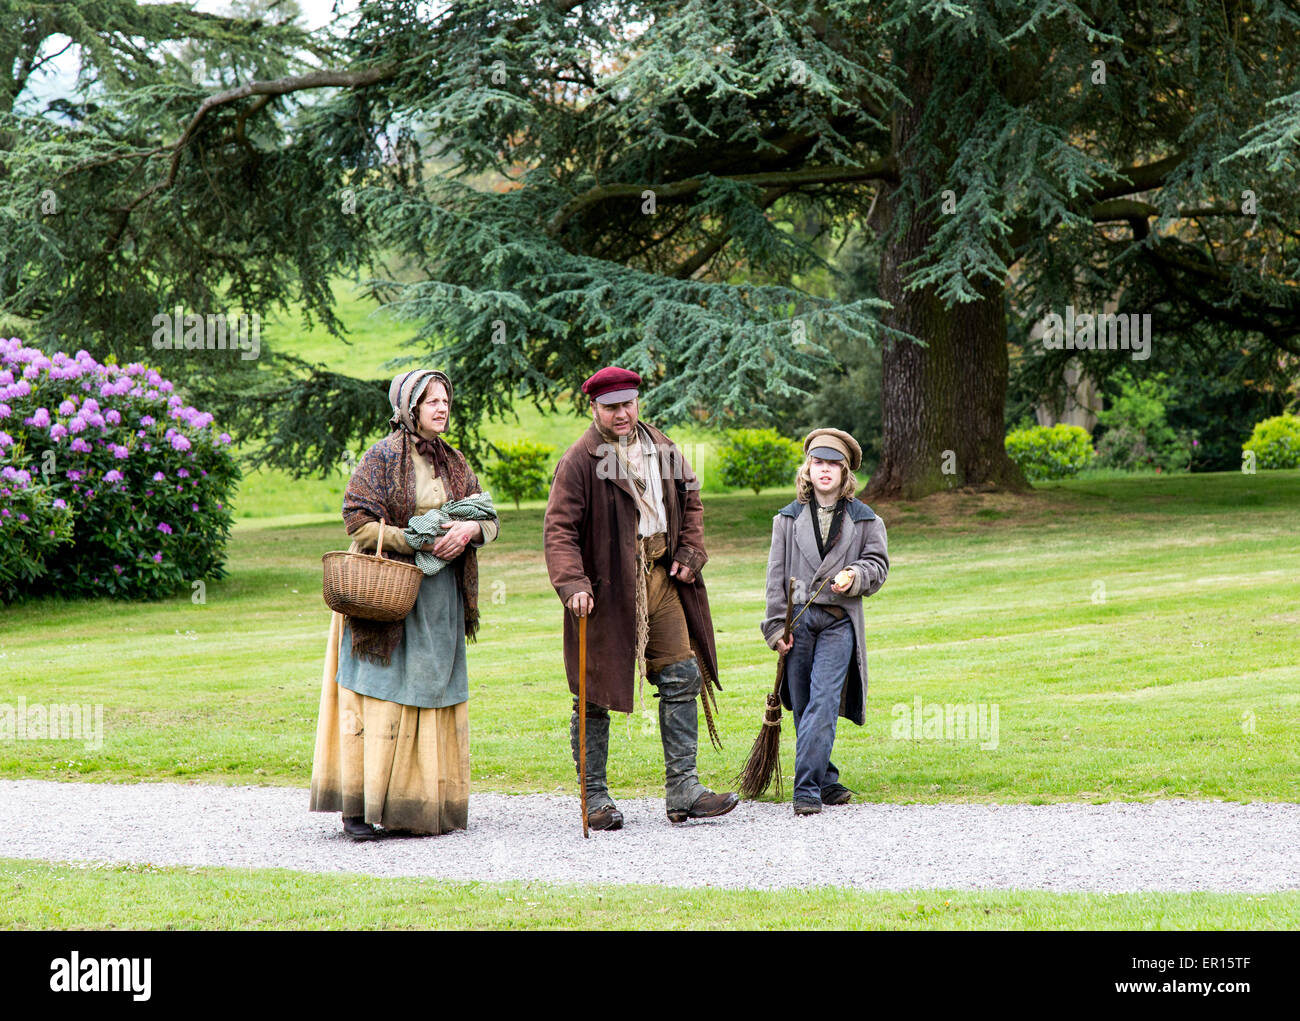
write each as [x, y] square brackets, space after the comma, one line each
[269, 89]
[688, 267]
[885, 169]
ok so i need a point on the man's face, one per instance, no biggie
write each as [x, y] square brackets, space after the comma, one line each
[615, 419]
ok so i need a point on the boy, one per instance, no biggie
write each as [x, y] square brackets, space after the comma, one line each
[835, 548]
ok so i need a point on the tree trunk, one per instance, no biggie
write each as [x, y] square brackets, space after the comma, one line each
[943, 403]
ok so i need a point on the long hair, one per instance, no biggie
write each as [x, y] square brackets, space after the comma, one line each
[803, 487]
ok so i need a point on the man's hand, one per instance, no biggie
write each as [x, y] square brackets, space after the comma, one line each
[682, 573]
[844, 580]
[783, 645]
[581, 603]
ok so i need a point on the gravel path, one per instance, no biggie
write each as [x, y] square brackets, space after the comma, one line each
[1168, 845]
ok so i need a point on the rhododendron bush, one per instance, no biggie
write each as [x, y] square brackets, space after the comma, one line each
[109, 483]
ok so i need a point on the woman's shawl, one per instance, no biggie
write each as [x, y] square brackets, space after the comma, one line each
[383, 488]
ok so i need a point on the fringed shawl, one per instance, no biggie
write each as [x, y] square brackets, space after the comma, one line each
[383, 488]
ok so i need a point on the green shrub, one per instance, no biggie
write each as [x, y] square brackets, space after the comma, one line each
[1276, 442]
[759, 457]
[1137, 433]
[1050, 452]
[520, 473]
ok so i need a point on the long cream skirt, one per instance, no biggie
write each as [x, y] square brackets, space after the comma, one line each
[397, 766]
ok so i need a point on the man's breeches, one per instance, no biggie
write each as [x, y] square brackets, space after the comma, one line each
[670, 641]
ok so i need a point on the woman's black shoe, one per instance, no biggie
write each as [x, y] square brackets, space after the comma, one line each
[356, 827]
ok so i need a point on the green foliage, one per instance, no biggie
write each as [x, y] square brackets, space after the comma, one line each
[849, 396]
[1138, 434]
[758, 458]
[520, 472]
[561, 185]
[1276, 442]
[111, 467]
[1050, 452]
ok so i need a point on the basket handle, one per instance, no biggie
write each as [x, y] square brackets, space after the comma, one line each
[379, 544]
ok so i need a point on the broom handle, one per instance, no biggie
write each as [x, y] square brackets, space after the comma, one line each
[785, 636]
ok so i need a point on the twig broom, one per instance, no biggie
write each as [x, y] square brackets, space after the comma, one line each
[765, 757]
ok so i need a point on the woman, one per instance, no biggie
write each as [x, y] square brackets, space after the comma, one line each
[835, 548]
[392, 742]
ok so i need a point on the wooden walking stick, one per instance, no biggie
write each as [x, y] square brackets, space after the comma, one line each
[582, 718]
[765, 756]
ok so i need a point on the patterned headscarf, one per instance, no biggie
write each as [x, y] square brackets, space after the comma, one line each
[404, 394]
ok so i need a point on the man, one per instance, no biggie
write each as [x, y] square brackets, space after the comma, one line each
[624, 539]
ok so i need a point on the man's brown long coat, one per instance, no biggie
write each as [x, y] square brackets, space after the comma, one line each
[590, 540]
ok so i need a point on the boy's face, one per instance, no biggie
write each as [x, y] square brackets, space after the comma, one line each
[615, 419]
[827, 477]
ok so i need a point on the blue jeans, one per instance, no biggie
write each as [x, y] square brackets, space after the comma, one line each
[815, 669]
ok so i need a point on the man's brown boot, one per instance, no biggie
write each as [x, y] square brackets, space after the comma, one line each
[707, 806]
[608, 818]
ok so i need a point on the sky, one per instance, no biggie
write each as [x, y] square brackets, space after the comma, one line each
[59, 76]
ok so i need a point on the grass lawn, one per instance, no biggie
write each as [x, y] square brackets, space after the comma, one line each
[1138, 639]
[41, 895]
[1136, 636]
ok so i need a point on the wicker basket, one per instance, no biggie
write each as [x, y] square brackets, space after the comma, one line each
[369, 586]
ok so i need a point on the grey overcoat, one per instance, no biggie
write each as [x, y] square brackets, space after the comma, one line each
[861, 546]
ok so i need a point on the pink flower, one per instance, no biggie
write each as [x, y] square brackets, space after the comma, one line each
[179, 442]
[5, 410]
[67, 408]
[146, 420]
[165, 528]
[157, 558]
[58, 430]
[159, 477]
[40, 418]
[80, 446]
[113, 476]
[113, 417]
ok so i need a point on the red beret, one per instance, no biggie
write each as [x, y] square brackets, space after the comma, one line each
[612, 385]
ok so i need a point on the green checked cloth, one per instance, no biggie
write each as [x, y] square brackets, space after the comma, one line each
[425, 529]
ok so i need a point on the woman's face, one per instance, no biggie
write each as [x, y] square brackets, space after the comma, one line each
[433, 409]
[827, 477]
